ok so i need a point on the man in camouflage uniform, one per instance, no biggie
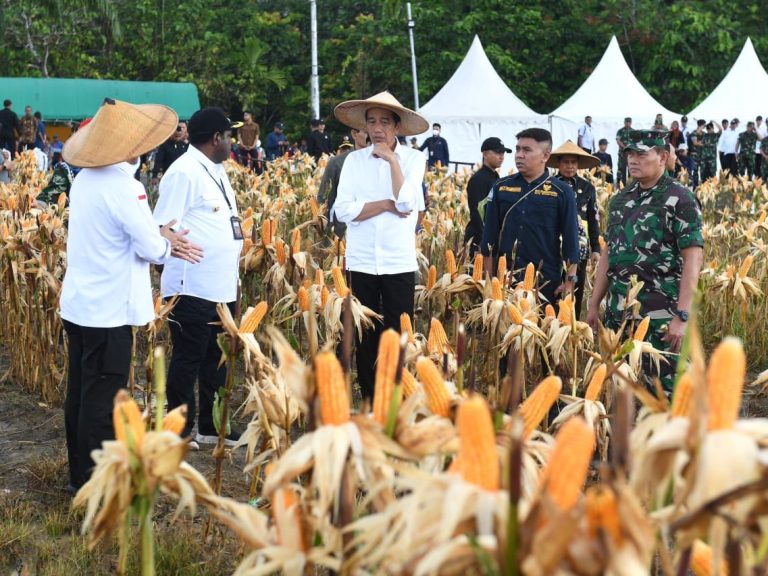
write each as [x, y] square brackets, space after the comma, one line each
[746, 150]
[764, 163]
[654, 234]
[622, 139]
[708, 153]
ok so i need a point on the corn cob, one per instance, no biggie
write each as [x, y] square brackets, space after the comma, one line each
[538, 404]
[175, 420]
[127, 420]
[496, 292]
[247, 225]
[725, 381]
[565, 310]
[745, 266]
[324, 296]
[642, 329]
[62, 201]
[524, 305]
[514, 313]
[681, 399]
[319, 277]
[477, 444]
[409, 383]
[438, 399]
[253, 318]
[407, 327]
[477, 268]
[501, 267]
[280, 252]
[529, 281]
[596, 383]
[303, 297]
[314, 207]
[307, 283]
[549, 311]
[266, 232]
[286, 514]
[450, 262]
[386, 367]
[296, 241]
[574, 445]
[603, 513]
[701, 560]
[437, 342]
[331, 389]
[431, 277]
[273, 228]
[339, 282]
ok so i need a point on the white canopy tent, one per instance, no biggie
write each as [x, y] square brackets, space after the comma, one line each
[476, 104]
[741, 94]
[610, 94]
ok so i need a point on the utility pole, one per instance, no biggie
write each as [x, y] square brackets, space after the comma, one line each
[411, 24]
[315, 81]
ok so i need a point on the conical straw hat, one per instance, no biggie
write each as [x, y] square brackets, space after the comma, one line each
[352, 113]
[119, 131]
[586, 160]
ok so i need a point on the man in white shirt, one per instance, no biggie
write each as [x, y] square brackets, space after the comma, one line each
[761, 133]
[106, 290]
[379, 198]
[727, 147]
[196, 192]
[586, 138]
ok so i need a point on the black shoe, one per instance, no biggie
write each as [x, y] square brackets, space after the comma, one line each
[213, 438]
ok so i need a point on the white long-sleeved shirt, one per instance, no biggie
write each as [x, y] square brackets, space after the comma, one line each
[112, 239]
[761, 133]
[189, 194]
[728, 140]
[384, 244]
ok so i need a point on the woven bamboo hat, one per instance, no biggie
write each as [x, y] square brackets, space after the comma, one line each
[119, 131]
[586, 160]
[352, 113]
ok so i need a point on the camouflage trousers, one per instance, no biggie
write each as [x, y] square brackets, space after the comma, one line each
[764, 169]
[707, 169]
[747, 164]
[621, 173]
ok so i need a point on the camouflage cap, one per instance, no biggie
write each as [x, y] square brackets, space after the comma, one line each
[645, 140]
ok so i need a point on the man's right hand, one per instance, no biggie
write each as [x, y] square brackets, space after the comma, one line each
[390, 207]
[181, 247]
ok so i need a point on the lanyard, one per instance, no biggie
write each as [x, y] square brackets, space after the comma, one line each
[220, 186]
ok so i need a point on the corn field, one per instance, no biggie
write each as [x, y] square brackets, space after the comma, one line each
[457, 466]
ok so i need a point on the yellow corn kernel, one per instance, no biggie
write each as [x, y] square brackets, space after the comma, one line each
[247, 226]
[538, 403]
[407, 327]
[386, 367]
[303, 297]
[437, 342]
[409, 383]
[682, 396]
[296, 241]
[450, 263]
[524, 305]
[642, 329]
[549, 311]
[725, 381]
[603, 514]
[286, 514]
[529, 281]
[280, 252]
[62, 201]
[745, 266]
[314, 207]
[319, 277]
[501, 267]
[477, 268]
[266, 232]
[431, 277]
[126, 418]
[761, 217]
[574, 446]
[331, 389]
[324, 296]
[339, 282]
[175, 420]
[565, 310]
[438, 399]
[253, 318]
[596, 383]
[477, 444]
[702, 561]
[496, 291]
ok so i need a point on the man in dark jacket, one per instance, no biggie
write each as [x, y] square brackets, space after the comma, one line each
[9, 126]
[479, 186]
[318, 142]
[169, 151]
[437, 147]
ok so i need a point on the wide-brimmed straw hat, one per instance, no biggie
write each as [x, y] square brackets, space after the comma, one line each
[352, 113]
[586, 160]
[118, 132]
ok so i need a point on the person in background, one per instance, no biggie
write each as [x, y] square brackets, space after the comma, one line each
[728, 146]
[586, 139]
[9, 126]
[708, 152]
[658, 123]
[569, 159]
[725, 124]
[605, 171]
[684, 160]
[745, 150]
[27, 130]
[56, 147]
[6, 165]
[168, 152]
[437, 148]
[479, 187]
[277, 142]
[684, 128]
[622, 139]
[676, 136]
[248, 138]
[415, 143]
[761, 132]
[695, 142]
[318, 142]
[41, 139]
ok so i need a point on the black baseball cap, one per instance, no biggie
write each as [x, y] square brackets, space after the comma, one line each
[494, 144]
[208, 121]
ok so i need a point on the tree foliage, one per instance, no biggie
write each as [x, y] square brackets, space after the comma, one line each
[256, 53]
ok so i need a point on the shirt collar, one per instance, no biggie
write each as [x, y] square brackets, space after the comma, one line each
[538, 180]
[129, 169]
[203, 159]
[398, 149]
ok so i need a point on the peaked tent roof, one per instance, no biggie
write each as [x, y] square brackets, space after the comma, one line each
[75, 99]
[611, 92]
[741, 93]
[475, 93]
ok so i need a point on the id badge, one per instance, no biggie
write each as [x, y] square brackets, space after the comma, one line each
[237, 229]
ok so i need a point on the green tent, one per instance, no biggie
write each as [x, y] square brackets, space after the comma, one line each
[75, 99]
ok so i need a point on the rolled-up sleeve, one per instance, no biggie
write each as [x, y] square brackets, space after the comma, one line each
[347, 207]
[410, 197]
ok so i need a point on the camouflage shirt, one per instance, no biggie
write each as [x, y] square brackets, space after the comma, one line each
[623, 135]
[747, 142]
[709, 146]
[646, 231]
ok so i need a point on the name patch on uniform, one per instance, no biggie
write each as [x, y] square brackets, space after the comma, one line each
[510, 189]
[546, 190]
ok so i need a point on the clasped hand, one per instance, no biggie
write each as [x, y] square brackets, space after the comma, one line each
[181, 247]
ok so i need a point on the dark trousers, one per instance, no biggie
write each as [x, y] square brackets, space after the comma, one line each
[9, 143]
[730, 163]
[196, 355]
[581, 279]
[758, 163]
[99, 361]
[389, 295]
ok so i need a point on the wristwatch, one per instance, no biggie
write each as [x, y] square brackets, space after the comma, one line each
[573, 279]
[682, 314]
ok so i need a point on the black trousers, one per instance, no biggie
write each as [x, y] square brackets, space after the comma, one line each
[99, 361]
[390, 295]
[196, 355]
[581, 279]
[729, 162]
